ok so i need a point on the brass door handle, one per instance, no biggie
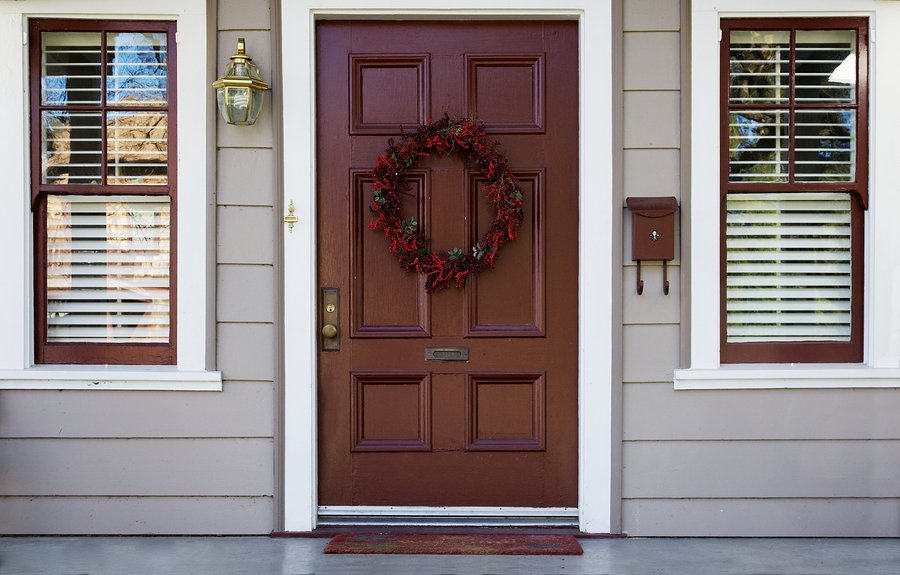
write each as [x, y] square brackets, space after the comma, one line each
[330, 318]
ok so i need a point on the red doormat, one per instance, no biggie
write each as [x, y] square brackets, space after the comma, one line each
[432, 544]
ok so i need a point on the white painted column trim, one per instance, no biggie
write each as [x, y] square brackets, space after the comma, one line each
[596, 243]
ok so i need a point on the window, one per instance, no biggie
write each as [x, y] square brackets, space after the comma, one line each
[103, 191]
[873, 198]
[794, 185]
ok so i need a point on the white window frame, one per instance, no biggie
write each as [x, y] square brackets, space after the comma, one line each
[17, 370]
[881, 364]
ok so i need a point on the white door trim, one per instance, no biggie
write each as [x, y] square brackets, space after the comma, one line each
[596, 272]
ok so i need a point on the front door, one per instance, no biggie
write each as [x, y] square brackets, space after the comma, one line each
[395, 428]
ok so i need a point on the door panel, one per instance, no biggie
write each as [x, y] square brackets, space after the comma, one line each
[501, 428]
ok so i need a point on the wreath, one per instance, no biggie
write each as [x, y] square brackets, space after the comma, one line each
[445, 136]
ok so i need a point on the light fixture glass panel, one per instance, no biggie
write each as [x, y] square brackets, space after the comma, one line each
[238, 103]
[256, 101]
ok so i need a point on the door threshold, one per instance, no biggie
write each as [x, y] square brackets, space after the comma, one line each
[443, 517]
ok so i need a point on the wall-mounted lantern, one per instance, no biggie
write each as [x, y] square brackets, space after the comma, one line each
[239, 91]
[653, 236]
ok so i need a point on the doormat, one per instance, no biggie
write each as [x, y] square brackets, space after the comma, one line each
[433, 544]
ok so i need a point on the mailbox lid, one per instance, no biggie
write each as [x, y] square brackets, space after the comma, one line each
[653, 207]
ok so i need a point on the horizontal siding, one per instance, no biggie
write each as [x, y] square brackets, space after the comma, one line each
[245, 235]
[243, 409]
[762, 518]
[652, 119]
[245, 293]
[655, 411]
[738, 469]
[651, 61]
[94, 467]
[249, 175]
[652, 352]
[654, 172]
[136, 516]
[652, 306]
[245, 351]
[651, 15]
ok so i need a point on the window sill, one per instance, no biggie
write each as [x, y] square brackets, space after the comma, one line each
[119, 378]
[777, 376]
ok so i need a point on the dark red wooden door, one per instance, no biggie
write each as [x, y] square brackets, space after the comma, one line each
[502, 428]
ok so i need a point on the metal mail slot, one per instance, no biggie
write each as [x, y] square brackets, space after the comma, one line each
[446, 354]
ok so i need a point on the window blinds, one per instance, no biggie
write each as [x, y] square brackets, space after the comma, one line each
[104, 129]
[788, 267]
[108, 269]
[807, 130]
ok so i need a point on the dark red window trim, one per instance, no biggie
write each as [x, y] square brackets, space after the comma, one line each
[83, 352]
[800, 351]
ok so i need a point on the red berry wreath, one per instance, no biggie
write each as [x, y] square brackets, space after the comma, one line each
[478, 151]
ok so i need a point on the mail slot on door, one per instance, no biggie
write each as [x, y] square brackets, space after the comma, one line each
[653, 236]
[446, 354]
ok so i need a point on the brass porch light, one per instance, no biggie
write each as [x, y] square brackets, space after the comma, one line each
[239, 91]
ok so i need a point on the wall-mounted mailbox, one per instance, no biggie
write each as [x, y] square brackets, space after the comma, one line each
[653, 236]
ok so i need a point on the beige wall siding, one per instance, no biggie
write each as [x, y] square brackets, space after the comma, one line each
[136, 515]
[125, 467]
[764, 517]
[763, 469]
[243, 409]
[246, 277]
[727, 463]
[654, 412]
[651, 162]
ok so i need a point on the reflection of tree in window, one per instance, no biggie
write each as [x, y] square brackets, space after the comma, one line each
[136, 68]
[72, 77]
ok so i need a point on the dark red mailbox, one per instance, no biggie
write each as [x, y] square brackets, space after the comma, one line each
[653, 236]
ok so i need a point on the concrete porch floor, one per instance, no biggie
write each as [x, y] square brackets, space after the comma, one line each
[263, 555]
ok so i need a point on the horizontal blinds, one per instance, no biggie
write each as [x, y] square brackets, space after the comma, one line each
[108, 269]
[788, 267]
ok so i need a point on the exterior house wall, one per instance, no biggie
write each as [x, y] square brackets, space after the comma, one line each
[173, 462]
[775, 462]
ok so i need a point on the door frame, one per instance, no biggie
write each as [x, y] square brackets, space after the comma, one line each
[597, 275]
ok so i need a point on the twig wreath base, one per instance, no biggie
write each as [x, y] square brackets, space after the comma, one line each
[445, 136]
